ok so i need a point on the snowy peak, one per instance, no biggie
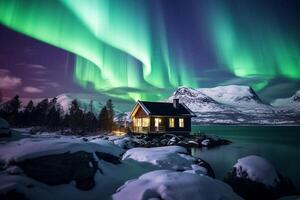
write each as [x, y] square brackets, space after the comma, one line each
[296, 97]
[232, 95]
[184, 93]
[293, 101]
[195, 100]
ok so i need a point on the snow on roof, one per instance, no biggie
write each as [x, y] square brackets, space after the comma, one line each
[165, 184]
[258, 169]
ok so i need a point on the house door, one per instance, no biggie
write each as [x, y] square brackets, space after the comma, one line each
[157, 123]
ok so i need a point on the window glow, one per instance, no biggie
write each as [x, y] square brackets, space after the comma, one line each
[157, 122]
[171, 122]
[139, 122]
[145, 122]
[181, 122]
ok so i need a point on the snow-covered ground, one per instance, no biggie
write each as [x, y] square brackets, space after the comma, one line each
[113, 169]
[101, 169]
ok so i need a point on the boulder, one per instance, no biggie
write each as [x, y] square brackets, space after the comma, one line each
[253, 177]
[4, 128]
[108, 157]
[170, 157]
[165, 184]
[62, 169]
[12, 195]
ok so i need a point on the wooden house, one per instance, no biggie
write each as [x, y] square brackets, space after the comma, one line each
[161, 117]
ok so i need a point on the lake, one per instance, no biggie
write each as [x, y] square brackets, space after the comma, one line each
[278, 144]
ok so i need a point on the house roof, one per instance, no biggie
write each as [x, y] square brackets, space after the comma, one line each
[164, 109]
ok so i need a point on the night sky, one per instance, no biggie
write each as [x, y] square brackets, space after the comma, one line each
[133, 50]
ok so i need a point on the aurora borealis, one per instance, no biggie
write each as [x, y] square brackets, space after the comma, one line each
[138, 49]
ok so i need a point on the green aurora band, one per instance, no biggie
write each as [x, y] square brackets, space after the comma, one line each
[123, 46]
[250, 47]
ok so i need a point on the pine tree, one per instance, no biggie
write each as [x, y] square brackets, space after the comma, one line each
[90, 109]
[53, 116]
[15, 104]
[12, 110]
[90, 122]
[111, 113]
[28, 114]
[40, 114]
[76, 122]
[104, 119]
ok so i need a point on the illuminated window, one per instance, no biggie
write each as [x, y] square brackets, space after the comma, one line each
[157, 122]
[145, 122]
[181, 122]
[171, 122]
[139, 122]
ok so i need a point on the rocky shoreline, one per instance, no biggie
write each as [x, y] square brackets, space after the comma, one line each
[142, 140]
[134, 167]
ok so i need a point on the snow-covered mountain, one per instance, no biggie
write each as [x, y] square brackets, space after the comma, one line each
[231, 104]
[289, 106]
[244, 96]
[293, 101]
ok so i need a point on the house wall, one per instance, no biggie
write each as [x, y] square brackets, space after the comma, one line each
[176, 128]
[164, 127]
[139, 114]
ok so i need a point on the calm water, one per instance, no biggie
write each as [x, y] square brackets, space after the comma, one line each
[279, 144]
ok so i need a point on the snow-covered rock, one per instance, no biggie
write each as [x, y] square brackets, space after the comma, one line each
[256, 169]
[253, 177]
[125, 142]
[28, 148]
[170, 157]
[59, 167]
[165, 184]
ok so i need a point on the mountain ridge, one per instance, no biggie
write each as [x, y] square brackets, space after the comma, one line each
[232, 104]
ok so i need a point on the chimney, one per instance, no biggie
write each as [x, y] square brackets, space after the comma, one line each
[176, 103]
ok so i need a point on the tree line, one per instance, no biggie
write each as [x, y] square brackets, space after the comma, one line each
[48, 114]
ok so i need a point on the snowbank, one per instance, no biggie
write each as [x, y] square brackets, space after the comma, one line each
[258, 169]
[36, 147]
[171, 157]
[165, 184]
[28, 165]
